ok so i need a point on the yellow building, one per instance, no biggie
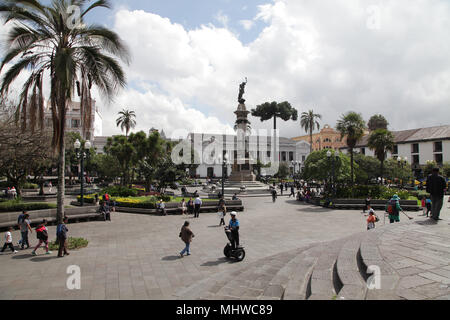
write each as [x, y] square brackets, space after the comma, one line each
[327, 138]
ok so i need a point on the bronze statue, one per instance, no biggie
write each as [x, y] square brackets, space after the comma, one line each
[242, 91]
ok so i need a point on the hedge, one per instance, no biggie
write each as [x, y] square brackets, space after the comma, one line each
[14, 205]
[379, 192]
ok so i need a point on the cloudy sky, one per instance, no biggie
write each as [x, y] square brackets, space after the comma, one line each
[332, 56]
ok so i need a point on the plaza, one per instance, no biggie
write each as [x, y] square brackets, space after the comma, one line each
[136, 256]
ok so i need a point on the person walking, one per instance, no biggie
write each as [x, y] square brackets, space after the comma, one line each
[372, 219]
[190, 206]
[8, 241]
[198, 203]
[61, 237]
[25, 226]
[436, 187]
[424, 206]
[183, 207]
[186, 236]
[281, 188]
[162, 207]
[42, 236]
[393, 208]
[292, 191]
[367, 204]
[274, 195]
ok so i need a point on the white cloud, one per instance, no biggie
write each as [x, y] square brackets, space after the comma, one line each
[247, 24]
[222, 18]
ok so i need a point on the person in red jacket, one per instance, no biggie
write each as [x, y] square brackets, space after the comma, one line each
[42, 235]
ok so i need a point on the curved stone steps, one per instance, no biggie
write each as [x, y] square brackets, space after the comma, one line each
[353, 285]
[372, 258]
[324, 285]
[257, 280]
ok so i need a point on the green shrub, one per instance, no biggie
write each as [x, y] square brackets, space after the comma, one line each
[29, 185]
[18, 205]
[376, 192]
[120, 191]
[72, 244]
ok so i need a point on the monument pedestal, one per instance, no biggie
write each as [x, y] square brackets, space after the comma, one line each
[242, 176]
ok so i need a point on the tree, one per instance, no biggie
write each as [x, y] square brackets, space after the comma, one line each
[309, 121]
[23, 153]
[275, 110]
[352, 126]
[377, 122]
[283, 171]
[126, 121]
[123, 151]
[394, 170]
[76, 55]
[319, 167]
[106, 167]
[446, 169]
[381, 141]
[368, 168]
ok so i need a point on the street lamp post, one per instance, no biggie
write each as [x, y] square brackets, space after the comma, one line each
[82, 154]
[402, 162]
[224, 164]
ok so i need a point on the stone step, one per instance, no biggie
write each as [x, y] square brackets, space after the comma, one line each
[298, 287]
[370, 256]
[324, 283]
[250, 282]
[353, 285]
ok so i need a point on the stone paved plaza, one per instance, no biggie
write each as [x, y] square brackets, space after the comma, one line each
[136, 256]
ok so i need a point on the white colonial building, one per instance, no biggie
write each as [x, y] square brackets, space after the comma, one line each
[417, 146]
[293, 153]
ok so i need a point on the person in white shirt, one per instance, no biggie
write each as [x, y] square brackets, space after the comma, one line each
[8, 241]
[162, 207]
[198, 203]
[183, 207]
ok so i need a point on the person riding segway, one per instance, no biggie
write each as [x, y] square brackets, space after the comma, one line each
[233, 249]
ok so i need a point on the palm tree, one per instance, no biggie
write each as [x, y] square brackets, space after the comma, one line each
[352, 126]
[381, 141]
[309, 121]
[45, 40]
[126, 120]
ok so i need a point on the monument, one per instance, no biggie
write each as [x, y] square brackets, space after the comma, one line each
[242, 167]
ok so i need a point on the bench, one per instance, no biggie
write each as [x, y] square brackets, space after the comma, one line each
[407, 205]
[174, 208]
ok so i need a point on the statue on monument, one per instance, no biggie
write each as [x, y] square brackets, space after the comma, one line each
[242, 91]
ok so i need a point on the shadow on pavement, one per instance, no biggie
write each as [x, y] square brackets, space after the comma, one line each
[42, 259]
[217, 262]
[171, 258]
[315, 209]
[22, 256]
[216, 226]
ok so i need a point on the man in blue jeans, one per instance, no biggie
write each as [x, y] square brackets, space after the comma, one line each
[436, 186]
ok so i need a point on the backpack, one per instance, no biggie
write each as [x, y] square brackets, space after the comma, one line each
[41, 233]
[107, 197]
[20, 218]
[59, 230]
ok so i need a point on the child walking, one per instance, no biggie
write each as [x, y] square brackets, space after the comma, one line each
[42, 235]
[428, 201]
[371, 219]
[424, 206]
[9, 241]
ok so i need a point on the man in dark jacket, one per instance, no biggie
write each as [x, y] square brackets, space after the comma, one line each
[61, 236]
[436, 186]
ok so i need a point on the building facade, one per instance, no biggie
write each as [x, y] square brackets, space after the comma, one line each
[73, 120]
[418, 146]
[327, 138]
[293, 153]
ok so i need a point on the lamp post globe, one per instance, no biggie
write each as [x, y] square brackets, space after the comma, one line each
[77, 144]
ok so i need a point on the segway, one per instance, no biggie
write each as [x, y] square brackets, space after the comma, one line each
[238, 253]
